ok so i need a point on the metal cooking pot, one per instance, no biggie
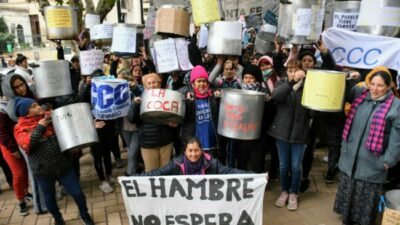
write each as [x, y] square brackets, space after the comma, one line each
[225, 38]
[161, 106]
[241, 114]
[380, 17]
[393, 199]
[288, 18]
[351, 8]
[119, 37]
[74, 126]
[61, 22]
[172, 19]
[52, 78]
[264, 42]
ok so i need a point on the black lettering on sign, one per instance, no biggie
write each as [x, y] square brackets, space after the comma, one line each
[196, 219]
[225, 219]
[209, 219]
[247, 192]
[245, 219]
[176, 187]
[169, 219]
[155, 187]
[201, 184]
[232, 189]
[214, 192]
[181, 219]
[152, 220]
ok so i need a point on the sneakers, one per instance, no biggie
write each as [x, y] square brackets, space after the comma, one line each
[112, 180]
[118, 163]
[28, 197]
[23, 209]
[292, 203]
[304, 185]
[106, 187]
[325, 159]
[281, 201]
[59, 222]
[87, 220]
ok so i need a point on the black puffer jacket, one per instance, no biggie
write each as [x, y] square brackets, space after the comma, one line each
[210, 165]
[292, 120]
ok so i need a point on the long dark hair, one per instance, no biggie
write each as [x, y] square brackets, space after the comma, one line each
[29, 93]
[192, 140]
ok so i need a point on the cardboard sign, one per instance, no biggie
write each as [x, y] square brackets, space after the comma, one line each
[91, 20]
[124, 39]
[172, 55]
[90, 61]
[101, 31]
[110, 98]
[59, 18]
[208, 199]
[205, 11]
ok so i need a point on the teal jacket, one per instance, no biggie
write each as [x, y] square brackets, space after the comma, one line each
[358, 162]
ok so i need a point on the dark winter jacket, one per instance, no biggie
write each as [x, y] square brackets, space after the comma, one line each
[292, 120]
[176, 167]
[7, 130]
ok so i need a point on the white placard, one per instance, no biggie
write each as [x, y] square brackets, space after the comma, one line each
[268, 28]
[360, 50]
[90, 60]
[101, 31]
[204, 199]
[91, 20]
[344, 20]
[166, 56]
[110, 98]
[302, 25]
[203, 36]
[124, 39]
[183, 54]
[373, 13]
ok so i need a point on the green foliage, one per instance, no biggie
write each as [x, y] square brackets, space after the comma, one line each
[5, 37]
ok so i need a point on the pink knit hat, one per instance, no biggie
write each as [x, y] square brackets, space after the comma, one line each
[265, 59]
[198, 72]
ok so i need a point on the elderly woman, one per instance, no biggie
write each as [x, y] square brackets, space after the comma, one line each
[155, 140]
[194, 161]
[370, 146]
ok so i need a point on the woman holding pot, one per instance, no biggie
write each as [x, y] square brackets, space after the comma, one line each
[370, 146]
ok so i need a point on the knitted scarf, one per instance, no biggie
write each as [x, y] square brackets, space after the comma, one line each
[375, 137]
[193, 168]
[202, 94]
[252, 87]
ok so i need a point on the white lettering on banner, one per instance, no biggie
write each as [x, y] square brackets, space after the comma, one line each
[110, 98]
[362, 50]
[344, 20]
[196, 200]
[90, 61]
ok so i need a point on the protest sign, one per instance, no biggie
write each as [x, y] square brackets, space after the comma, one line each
[150, 23]
[379, 13]
[183, 54]
[345, 20]
[124, 38]
[101, 31]
[233, 9]
[203, 36]
[90, 61]
[172, 55]
[205, 11]
[110, 98]
[362, 50]
[91, 20]
[208, 199]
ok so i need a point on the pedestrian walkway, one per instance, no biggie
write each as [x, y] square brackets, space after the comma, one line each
[315, 206]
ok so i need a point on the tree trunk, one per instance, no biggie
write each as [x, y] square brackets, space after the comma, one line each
[104, 7]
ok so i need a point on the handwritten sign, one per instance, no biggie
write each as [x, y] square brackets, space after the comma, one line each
[58, 18]
[91, 20]
[101, 31]
[166, 56]
[205, 11]
[302, 25]
[110, 98]
[183, 54]
[372, 12]
[344, 20]
[203, 36]
[90, 61]
[208, 199]
[320, 97]
[124, 39]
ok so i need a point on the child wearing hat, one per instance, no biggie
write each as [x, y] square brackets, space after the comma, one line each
[35, 135]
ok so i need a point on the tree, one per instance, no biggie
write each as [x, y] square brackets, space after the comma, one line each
[5, 36]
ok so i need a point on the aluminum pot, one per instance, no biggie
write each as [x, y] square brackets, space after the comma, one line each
[61, 22]
[173, 19]
[161, 106]
[264, 42]
[74, 126]
[102, 34]
[241, 114]
[321, 97]
[306, 31]
[52, 78]
[122, 38]
[347, 10]
[393, 199]
[380, 17]
[225, 38]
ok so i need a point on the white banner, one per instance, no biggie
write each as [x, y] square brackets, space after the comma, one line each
[194, 200]
[90, 60]
[362, 50]
[110, 98]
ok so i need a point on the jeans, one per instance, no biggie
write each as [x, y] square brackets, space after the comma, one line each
[132, 140]
[71, 184]
[290, 159]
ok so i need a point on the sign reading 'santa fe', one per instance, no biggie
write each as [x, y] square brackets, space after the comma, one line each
[194, 200]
